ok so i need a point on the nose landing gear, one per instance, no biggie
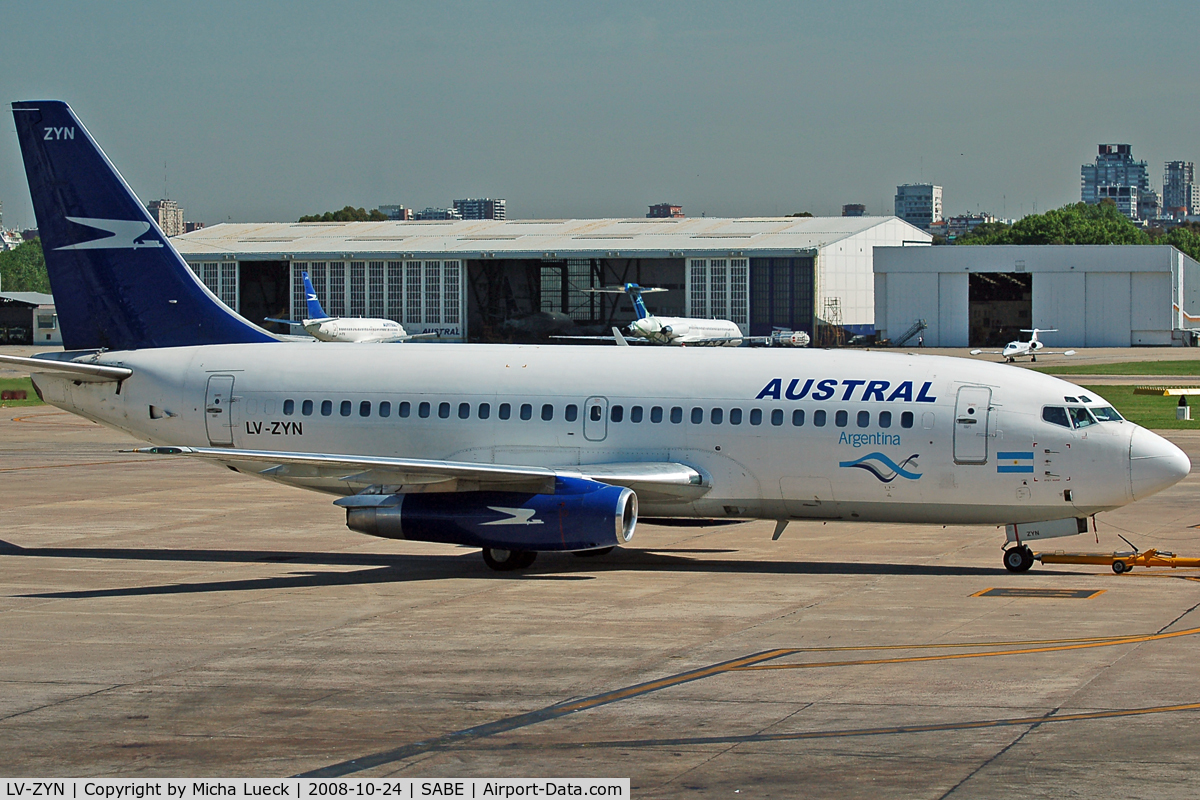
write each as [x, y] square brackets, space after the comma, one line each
[1018, 559]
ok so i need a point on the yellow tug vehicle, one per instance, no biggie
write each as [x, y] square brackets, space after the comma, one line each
[1121, 561]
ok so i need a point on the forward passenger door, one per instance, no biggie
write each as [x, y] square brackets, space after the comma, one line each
[972, 419]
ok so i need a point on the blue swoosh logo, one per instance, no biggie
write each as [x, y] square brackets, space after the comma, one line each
[886, 470]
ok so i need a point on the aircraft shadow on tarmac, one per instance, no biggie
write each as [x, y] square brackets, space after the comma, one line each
[383, 568]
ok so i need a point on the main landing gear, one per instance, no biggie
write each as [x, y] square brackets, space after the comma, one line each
[1018, 559]
[508, 560]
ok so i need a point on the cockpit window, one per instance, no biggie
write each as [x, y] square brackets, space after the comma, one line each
[1085, 398]
[1071, 399]
[1081, 417]
[1106, 414]
[1056, 415]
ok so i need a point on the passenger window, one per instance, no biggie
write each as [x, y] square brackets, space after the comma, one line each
[423, 410]
[756, 416]
[777, 416]
[346, 408]
[326, 408]
[1081, 417]
[364, 408]
[505, 411]
[656, 414]
[635, 414]
[819, 418]
[735, 416]
[289, 407]
[716, 415]
[1056, 415]
[464, 410]
[616, 413]
[798, 417]
[526, 411]
[841, 418]
[444, 410]
[306, 408]
[485, 410]
[864, 419]
[676, 415]
[697, 416]
[1107, 414]
[927, 420]
[547, 412]
[906, 419]
[596, 413]
[571, 412]
[404, 409]
[385, 409]
[885, 419]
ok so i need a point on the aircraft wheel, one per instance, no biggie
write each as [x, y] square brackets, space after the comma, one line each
[507, 560]
[603, 551]
[1018, 559]
[1120, 566]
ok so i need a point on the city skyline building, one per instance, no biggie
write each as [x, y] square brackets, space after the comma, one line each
[919, 204]
[1181, 197]
[431, 213]
[480, 208]
[396, 212]
[168, 215]
[1116, 176]
[665, 211]
[854, 210]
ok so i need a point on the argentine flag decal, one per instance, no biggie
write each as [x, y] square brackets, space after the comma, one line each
[1020, 461]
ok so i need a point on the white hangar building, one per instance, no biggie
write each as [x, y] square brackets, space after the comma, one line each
[982, 295]
[523, 280]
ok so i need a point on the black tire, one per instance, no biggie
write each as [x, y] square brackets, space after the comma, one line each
[507, 560]
[1018, 559]
[601, 551]
[1120, 566]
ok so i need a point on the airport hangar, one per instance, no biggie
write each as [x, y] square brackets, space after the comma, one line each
[524, 280]
[1095, 295]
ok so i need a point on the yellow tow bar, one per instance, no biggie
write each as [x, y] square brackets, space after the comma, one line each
[1121, 562]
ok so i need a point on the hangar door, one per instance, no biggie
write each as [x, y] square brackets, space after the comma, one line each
[1001, 304]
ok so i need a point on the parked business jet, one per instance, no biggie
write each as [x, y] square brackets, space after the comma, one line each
[1018, 349]
[687, 331]
[325, 328]
[525, 449]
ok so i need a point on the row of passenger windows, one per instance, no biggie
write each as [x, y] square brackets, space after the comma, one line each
[616, 413]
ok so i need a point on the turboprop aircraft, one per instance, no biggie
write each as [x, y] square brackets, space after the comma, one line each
[1018, 349]
[517, 449]
[325, 328]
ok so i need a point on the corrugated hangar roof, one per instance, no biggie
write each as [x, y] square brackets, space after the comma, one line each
[531, 237]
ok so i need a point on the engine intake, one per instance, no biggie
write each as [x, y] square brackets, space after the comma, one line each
[580, 515]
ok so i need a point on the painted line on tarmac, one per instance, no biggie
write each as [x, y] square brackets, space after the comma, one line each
[81, 464]
[1050, 648]
[745, 664]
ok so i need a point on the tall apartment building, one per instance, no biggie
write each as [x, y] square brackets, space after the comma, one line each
[480, 208]
[854, 210]
[919, 204]
[1116, 176]
[168, 215]
[1181, 196]
[665, 211]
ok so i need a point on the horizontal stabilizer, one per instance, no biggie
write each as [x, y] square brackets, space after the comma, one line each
[86, 373]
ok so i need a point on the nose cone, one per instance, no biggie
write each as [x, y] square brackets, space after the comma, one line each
[1154, 463]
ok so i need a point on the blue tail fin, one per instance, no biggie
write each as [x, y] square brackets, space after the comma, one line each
[635, 291]
[117, 282]
[314, 306]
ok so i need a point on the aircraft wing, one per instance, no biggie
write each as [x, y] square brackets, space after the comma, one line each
[651, 480]
[85, 373]
[987, 352]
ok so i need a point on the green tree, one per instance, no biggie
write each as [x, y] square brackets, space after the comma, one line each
[1078, 223]
[23, 269]
[1185, 238]
[347, 214]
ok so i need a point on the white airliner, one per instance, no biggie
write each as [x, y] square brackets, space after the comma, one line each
[687, 331]
[325, 328]
[524, 449]
[1018, 349]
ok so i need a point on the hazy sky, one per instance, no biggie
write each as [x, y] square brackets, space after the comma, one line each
[266, 111]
